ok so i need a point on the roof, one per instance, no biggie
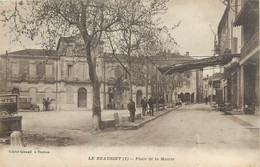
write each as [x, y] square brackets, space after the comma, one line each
[35, 52]
[197, 64]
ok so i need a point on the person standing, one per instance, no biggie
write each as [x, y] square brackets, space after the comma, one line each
[131, 108]
[206, 100]
[144, 105]
[150, 103]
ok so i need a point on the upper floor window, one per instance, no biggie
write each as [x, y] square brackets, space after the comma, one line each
[32, 70]
[70, 70]
[83, 71]
[48, 71]
[15, 69]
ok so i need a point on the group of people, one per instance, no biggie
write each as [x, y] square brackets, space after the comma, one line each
[145, 104]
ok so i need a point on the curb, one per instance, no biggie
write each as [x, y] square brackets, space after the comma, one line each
[141, 124]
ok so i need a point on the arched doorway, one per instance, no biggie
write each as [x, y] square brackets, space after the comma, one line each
[33, 95]
[139, 95]
[181, 97]
[187, 97]
[16, 91]
[82, 97]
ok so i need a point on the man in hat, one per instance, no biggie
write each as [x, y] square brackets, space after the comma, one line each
[144, 105]
[150, 103]
[131, 108]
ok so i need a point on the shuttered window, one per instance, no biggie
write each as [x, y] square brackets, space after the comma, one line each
[48, 71]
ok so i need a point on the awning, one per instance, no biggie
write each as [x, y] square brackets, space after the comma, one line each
[197, 64]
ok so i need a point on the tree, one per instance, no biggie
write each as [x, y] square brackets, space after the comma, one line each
[46, 103]
[118, 86]
[49, 20]
[172, 83]
[136, 28]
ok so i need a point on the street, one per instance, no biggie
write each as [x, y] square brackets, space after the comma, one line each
[187, 127]
[192, 135]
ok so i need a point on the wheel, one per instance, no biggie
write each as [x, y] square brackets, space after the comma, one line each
[36, 109]
[4, 112]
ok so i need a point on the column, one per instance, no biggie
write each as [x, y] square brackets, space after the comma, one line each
[238, 90]
[242, 87]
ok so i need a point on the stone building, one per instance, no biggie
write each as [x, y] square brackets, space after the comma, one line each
[63, 75]
[238, 34]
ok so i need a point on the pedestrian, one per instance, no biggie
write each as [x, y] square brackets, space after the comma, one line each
[131, 108]
[144, 105]
[150, 103]
[206, 100]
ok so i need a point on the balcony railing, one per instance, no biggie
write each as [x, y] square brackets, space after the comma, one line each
[16, 79]
[250, 45]
[49, 79]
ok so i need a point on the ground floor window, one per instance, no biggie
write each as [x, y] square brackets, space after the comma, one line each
[82, 97]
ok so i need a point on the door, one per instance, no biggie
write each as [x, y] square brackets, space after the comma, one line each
[139, 95]
[82, 97]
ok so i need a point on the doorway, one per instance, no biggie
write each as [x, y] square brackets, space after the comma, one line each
[82, 97]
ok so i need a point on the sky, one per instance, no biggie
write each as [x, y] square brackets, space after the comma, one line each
[194, 34]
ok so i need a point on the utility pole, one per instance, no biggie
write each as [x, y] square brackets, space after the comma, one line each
[6, 72]
[213, 71]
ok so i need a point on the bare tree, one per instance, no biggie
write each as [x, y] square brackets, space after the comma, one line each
[136, 26]
[172, 83]
[49, 20]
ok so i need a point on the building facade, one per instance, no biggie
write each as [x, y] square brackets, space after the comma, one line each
[238, 34]
[63, 75]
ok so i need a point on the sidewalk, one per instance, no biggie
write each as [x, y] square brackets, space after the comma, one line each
[251, 119]
[144, 120]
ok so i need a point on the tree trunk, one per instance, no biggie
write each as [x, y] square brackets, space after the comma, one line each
[96, 107]
[170, 98]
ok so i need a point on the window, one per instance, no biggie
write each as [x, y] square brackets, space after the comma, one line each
[70, 70]
[33, 94]
[48, 71]
[83, 71]
[69, 50]
[69, 96]
[15, 69]
[32, 70]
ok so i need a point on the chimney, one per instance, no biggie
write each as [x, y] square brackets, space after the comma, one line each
[187, 53]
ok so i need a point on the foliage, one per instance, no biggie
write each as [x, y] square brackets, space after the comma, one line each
[172, 83]
[90, 21]
[46, 103]
[118, 85]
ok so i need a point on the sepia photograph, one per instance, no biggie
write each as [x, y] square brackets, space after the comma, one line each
[129, 83]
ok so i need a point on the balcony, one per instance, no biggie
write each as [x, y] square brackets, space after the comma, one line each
[49, 79]
[33, 79]
[250, 45]
[16, 79]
